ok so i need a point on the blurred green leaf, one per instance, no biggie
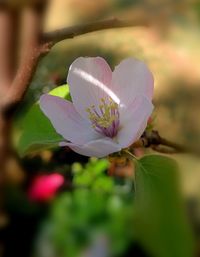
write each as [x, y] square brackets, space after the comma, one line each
[93, 175]
[160, 222]
[97, 206]
[37, 131]
[77, 218]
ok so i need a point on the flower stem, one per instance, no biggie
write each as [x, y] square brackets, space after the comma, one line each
[130, 155]
[134, 159]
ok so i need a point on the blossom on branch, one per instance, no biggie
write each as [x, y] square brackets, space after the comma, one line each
[110, 110]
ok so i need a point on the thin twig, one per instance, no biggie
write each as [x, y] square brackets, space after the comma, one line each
[177, 147]
[77, 30]
[164, 149]
[41, 45]
[154, 141]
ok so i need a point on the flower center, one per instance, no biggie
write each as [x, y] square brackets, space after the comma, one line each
[106, 119]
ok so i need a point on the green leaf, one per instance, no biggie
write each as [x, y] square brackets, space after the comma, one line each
[161, 225]
[61, 91]
[37, 131]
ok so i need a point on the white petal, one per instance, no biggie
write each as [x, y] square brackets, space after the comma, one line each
[89, 80]
[66, 120]
[133, 121]
[131, 78]
[97, 148]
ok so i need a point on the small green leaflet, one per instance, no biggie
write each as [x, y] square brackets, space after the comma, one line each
[37, 131]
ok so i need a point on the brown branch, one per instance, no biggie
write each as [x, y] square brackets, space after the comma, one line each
[39, 45]
[154, 141]
[34, 45]
[8, 41]
[163, 149]
[31, 50]
[177, 147]
[77, 30]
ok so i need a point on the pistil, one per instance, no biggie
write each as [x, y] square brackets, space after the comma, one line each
[106, 119]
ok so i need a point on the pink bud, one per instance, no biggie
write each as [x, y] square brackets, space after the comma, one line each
[44, 187]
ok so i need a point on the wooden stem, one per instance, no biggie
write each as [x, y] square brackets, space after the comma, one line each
[77, 30]
[153, 140]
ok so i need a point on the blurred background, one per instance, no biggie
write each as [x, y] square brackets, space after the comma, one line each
[61, 204]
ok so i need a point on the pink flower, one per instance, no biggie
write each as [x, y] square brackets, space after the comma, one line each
[44, 187]
[110, 110]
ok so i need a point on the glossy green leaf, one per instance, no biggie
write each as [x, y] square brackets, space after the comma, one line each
[37, 131]
[161, 226]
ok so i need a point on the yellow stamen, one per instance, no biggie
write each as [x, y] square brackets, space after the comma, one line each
[106, 117]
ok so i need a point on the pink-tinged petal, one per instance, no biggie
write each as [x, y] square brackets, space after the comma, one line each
[89, 80]
[66, 120]
[97, 148]
[134, 120]
[131, 78]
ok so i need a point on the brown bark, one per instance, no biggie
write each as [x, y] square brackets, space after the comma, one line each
[8, 41]
[30, 52]
[5, 129]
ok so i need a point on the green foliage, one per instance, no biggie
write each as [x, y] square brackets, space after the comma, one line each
[160, 222]
[100, 205]
[92, 176]
[37, 130]
[91, 210]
